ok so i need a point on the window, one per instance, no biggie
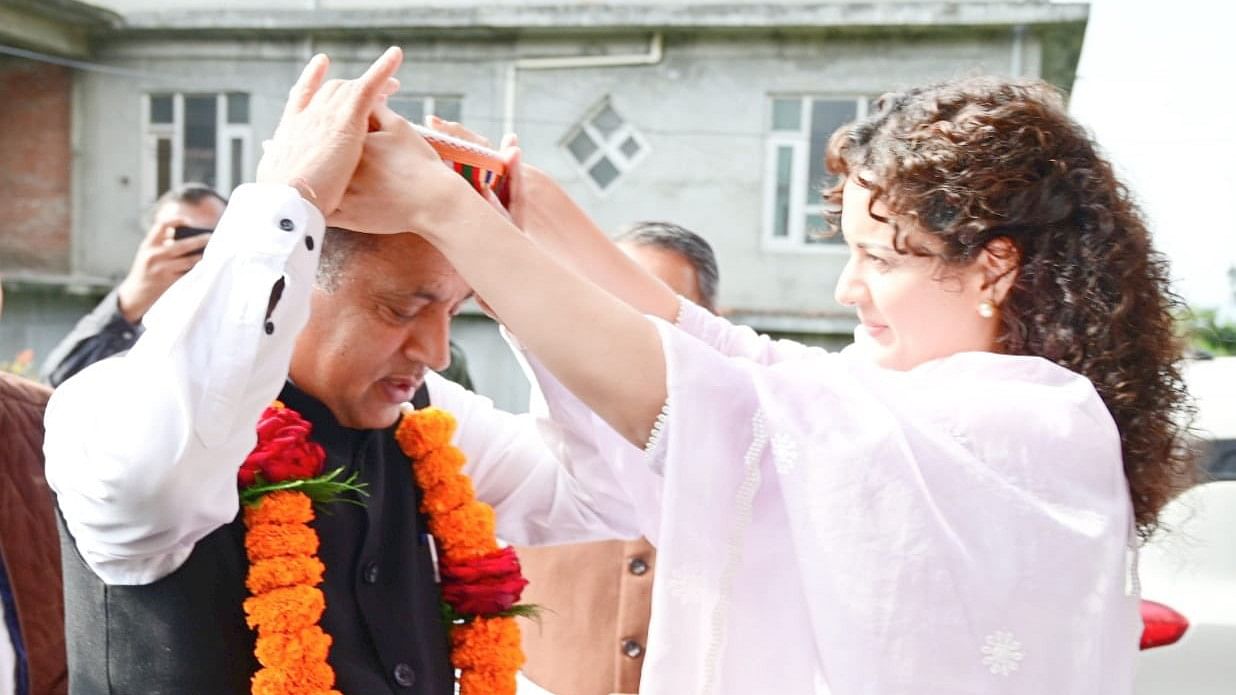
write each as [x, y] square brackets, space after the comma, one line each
[201, 138]
[794, 168]
[605, 146]
[415, 107]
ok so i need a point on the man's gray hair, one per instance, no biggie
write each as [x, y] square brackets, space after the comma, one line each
[686, 243]
[338, 247]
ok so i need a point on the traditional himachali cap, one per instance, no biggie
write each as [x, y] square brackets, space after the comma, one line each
[481, 166]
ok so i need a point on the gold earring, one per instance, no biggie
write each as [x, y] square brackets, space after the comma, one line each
[986, 309]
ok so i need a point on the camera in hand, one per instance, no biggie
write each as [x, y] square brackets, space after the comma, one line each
[179, 233]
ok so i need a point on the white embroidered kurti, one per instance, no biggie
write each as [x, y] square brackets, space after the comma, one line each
[826, 526]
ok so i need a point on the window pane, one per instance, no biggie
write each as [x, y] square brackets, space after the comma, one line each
[448, 108]
[411, 108]
[781, 210]
[603, 172]
[827, 115]
[200, 127]
[238, 162]
[163, 166]
[787, 114]
[581, 146]
[630, 148]
[607, 121]
[237, 107]
[161, 109]
[815, 231]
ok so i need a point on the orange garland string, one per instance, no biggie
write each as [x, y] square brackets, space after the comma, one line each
[285, 604]
[486, 650]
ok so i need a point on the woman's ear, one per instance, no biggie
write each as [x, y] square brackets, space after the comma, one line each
[999, 260]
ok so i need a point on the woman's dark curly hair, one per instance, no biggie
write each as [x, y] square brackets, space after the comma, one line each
[973, 160]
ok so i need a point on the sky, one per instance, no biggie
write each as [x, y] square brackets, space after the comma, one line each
[1154, 85]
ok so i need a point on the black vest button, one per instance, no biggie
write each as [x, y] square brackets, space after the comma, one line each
[287, 225]
[404, 675]
[637, 566]
[632, 649]
[371, 573]
[270, 327]
[309, 242]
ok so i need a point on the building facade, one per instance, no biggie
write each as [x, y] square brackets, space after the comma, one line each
[711, 115]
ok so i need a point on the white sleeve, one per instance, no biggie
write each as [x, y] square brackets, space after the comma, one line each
[522, 466]
[738, 341]
[142, 449]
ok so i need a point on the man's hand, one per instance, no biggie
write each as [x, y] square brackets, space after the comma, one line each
[400, 182]
[159, 262]
[318, 142]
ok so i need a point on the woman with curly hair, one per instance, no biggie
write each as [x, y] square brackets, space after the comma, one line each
[953, 504]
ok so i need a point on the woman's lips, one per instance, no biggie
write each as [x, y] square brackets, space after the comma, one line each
[875, 331]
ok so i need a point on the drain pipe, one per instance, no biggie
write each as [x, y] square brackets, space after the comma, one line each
[1017, 64]
[652, 57]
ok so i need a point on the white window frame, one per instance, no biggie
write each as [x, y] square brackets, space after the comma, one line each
[800, 144]
[610, 148]
[224, 134]
[429, 102]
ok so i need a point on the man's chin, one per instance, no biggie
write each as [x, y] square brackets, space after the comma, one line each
[376, 417]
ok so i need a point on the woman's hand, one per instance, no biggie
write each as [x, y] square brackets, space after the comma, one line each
[401, 184]
[318, 142]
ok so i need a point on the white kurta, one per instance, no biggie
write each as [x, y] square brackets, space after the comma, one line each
[827, 526]
[142, 449]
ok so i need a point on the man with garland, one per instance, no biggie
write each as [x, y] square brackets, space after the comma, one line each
[343, 328]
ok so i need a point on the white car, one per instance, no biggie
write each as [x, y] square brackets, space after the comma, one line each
[1188, 573]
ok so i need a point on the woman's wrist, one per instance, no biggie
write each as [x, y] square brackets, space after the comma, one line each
[446, 209]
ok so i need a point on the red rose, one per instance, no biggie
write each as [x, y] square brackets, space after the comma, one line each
[484, 585]
[283, 450]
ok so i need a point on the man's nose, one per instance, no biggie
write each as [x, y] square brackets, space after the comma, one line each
[430, 342]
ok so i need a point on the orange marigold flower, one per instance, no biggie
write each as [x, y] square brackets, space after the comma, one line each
[447, 495]
[277, 650]
[296, 570]
[289, 609]
[425, 430]
[487, 682]
[302, 678]
[466, 531]
[437, 467]
[282, 507]
[487, 644]
[280, 540]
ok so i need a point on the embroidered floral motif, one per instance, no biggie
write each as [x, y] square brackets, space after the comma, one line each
[785, 452]
[1001, 653]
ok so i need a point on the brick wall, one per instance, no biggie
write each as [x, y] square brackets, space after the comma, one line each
[35, 163]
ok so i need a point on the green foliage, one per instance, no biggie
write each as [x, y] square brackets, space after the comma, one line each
[1207, 333]
[21, 365]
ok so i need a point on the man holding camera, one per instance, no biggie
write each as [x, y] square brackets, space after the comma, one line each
[164, 256]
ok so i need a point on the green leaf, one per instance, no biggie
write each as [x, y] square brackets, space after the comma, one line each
[323, 489]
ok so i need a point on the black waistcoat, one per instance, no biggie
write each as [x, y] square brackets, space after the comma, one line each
[186, 635]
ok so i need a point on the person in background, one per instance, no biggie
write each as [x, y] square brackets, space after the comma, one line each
[32, 654]
[116, 323]
[593, 637]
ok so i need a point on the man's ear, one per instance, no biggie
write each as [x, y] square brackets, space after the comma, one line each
[999, 260]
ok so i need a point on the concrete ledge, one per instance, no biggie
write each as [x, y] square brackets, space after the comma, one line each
[648, 15]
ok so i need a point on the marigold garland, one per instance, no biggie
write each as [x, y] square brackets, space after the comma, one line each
[481, 583]
[285, 603]
[475, 571]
